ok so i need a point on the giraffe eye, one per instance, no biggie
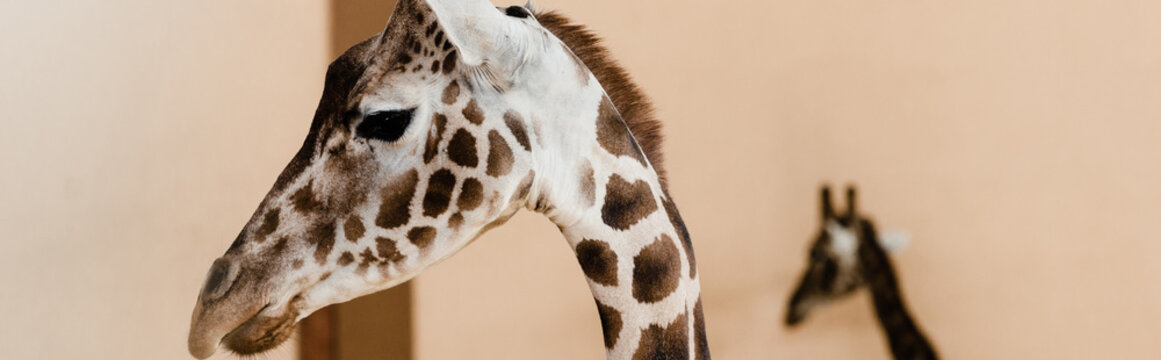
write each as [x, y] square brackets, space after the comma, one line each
[385, 125]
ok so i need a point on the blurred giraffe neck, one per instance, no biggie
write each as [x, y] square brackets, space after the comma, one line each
[907, 341]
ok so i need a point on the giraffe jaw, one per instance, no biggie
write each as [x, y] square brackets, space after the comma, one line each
[247, 333]
[265, 330]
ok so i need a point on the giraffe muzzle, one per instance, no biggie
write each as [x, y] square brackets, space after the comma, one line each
[226, 302]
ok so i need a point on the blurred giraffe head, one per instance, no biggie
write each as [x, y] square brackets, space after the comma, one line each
[834, 268]
[426, 136]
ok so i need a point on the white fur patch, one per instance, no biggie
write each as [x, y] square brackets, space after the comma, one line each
[843, 242]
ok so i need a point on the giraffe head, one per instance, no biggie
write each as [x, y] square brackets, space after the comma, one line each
[427, 135]
[834, 267]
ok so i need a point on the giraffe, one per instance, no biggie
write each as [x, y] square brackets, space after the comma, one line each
[849, 254]
[439, 128]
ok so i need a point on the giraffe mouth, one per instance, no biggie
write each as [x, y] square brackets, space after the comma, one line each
[264, 330]
[245, 320]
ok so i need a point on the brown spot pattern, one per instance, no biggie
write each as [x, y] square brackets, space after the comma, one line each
[474, 113]
[422, 236]
[656, 270]
[403, 58]
[449, 62]
[613, 134]
[304, 201]
[701, 345]
[394, 211]
[682, 232]
[353, 228]
[610, 324]
[669, 342]
[348, 170]
[598, 261]
[471, 195]
[499, 155]
[626, 203]
[516, 125]
[439, 190]
[322, 235]
[278, 248]
[451, 92]
[269, 225]
[462, 149]
[387, 250]
[433, 139]
[346, 258]
[455, 220]
[366, 258]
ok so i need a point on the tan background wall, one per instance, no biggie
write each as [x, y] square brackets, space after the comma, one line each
[137, 139]
[1018, 141]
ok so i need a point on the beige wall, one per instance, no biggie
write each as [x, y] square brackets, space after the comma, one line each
[137, 138]
[1017, 140]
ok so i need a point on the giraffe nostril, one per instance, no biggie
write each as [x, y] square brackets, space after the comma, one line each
[219, 280]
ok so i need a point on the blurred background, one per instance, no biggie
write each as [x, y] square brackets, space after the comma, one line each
[1018, 141]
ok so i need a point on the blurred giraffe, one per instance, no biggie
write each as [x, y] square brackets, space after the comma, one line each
[849, 254]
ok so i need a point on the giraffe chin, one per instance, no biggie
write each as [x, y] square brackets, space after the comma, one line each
[263, 331]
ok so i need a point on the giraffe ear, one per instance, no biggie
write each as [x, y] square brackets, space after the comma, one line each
[491, 45]
[825, 204]
[894, 240]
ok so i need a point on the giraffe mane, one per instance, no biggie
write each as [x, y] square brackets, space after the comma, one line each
[636, 109]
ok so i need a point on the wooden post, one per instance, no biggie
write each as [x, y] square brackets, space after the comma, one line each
[317, 335]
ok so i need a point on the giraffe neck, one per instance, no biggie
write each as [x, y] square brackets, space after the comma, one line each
[628, 237]
[643, 280]
[590, 177]
[907, 341]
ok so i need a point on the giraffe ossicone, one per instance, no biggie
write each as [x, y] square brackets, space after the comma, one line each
[438, 129]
